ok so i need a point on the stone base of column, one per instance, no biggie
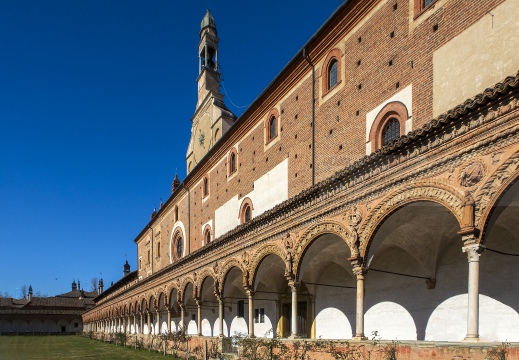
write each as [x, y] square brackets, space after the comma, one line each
[294, 337]
[358, 338]
[473, 339]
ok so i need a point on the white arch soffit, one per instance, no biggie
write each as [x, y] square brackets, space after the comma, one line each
[216, 327]
[192, 328]
[178, 224]
[497, 321]
[265, 329]
[164, 326]
[206, 328]
[391, 321]
[239, 326]
[331, 323]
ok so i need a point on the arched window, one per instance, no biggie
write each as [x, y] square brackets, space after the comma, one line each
[271, 125]
[180, 247]
[272, 128]
[391, 131]
[232, 161]
[207, 236]
[206, 186]
[388, 125]
[333, 71]
[246, 211]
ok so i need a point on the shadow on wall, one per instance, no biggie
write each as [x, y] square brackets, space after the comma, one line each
[448, 322]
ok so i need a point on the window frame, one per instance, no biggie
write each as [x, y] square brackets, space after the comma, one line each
[205, 186]
[179, 242]
[206, 233]
[232, 162]
[246, 205]
[394, 109]
[178, 234]
[391, 120]
[272, 115]
[333, 69]
[420, 7]
[334, 56]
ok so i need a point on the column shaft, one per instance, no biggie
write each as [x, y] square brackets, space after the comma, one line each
[251, 314]
[199, 317]
[359, 328]
[294, 326]
[220, 315]
[473, 293]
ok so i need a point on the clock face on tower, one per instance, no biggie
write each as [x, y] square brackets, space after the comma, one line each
[202, 137]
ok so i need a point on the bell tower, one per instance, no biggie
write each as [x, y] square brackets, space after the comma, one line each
[212, 118]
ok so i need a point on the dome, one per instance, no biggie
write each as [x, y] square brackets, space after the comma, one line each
[208, 22]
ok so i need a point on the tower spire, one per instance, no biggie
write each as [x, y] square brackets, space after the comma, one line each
[212, 118]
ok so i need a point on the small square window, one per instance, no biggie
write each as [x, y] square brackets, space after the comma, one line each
[76, 325]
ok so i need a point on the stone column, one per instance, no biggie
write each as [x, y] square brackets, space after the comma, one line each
[220, 315]
[182, 315]
[141, 327]
[293, 324]
[199, 316]
[473, 253]
[148, 318]
[169, 321]
[250, 294]
[158, 322]
[359, 328]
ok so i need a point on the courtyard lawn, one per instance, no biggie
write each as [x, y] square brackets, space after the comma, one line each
[67, 347]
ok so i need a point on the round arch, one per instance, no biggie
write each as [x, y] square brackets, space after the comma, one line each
[259, 255]
[185, 283]
[312, 233]
[450, 198]
[201, 277]
[494, 189]
[227, 267]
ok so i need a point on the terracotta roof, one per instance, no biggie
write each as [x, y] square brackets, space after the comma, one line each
[501, 88]
[76, 294]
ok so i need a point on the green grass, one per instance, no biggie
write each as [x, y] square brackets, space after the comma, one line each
[67, 347]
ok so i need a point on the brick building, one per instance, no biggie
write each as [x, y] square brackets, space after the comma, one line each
[55, 314]
[356, 194]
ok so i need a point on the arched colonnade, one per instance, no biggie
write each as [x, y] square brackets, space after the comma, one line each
[409, 266]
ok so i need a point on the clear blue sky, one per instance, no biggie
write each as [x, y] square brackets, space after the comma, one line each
[96, 99]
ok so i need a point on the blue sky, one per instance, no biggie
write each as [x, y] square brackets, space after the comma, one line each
[96, 99]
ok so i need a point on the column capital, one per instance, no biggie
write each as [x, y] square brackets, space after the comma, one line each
[249, 292]
[359, 271]
[473, 252]
[294, 285]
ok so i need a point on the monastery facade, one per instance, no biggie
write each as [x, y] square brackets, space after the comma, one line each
[372, 186]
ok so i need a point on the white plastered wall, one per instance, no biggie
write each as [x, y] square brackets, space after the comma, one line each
[269, 190]
[479, 57]
[405, 96]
